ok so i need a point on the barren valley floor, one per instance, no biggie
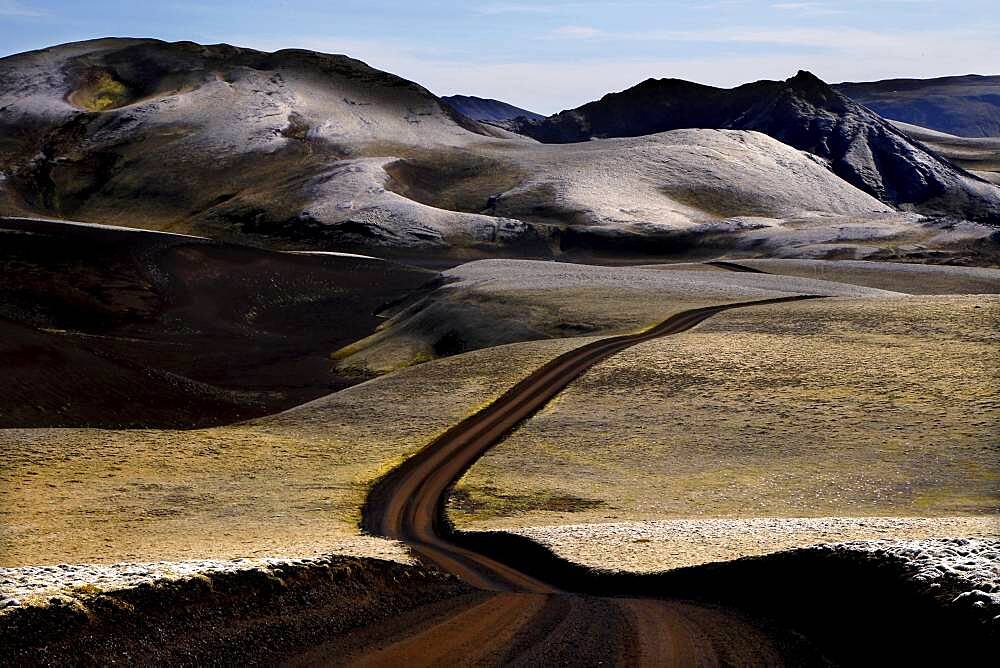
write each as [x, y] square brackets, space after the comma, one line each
[652, 456]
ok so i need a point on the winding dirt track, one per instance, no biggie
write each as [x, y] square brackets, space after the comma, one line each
[530, 621]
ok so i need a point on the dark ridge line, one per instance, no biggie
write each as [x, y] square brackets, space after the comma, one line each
[734, 266]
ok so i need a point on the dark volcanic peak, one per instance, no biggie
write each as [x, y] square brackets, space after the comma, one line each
[803, 112]
[967, 106]
[485, 109]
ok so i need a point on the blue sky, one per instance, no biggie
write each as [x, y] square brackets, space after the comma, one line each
[555, 54]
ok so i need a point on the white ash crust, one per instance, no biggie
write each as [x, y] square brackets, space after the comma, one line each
[37, 585]
[962, 572]
[651, 546]
[955, 571]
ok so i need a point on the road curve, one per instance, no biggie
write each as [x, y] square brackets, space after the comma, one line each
[527, 621]
[408, 504]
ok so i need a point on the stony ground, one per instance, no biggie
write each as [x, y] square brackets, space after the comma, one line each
[36, 585]
[649, 547]
[962, 572]
[503, 276]
[253, 612]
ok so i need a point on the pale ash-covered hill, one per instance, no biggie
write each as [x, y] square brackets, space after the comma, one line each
[679, 180]
[486, 109]
[967, 106]
[223, 140]
[308, 150]
[803, 112]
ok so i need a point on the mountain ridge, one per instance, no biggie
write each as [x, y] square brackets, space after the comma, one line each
[487, 109]
[302, 150]
[802, 111]
[964, 105]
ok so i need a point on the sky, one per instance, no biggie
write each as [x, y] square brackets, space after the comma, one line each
[557, 54]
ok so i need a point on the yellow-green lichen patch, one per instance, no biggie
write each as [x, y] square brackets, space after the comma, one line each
[289, 484]
[100, 91]
[809, 409]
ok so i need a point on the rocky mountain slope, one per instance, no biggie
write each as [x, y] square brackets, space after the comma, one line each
[297, 149]
[485, 109]
[977, 155]
[967, 106]
[803, 112]
[222, 140]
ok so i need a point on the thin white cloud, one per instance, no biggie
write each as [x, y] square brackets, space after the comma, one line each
[577, 32]
[834, 55]
[15, 8]
[551, 7]
[808, 8]
[837, 38]
[516, 8]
